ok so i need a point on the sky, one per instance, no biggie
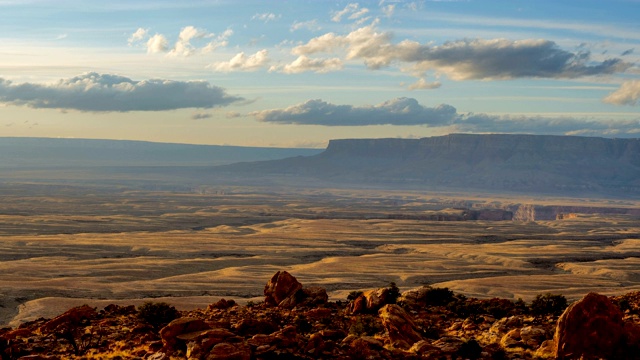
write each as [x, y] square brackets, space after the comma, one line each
[298, 73]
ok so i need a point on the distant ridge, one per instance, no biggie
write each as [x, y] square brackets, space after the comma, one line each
[51, 152]
[522, 163]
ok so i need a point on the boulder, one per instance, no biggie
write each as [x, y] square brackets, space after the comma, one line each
[399, 324]
[533, 336]
[250, 327]
[281, 290]
[512, 339]
[591, 328]
[227, 351]
[222, 304]
[369, 301]
[72, 317]
[314, 295]
[358, 305]
[200, 343]
[315, 345]
[178, 327]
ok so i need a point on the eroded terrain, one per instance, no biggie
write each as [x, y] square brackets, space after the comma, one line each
[105, 242]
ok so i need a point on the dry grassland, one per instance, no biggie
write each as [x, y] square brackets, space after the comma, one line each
[91, 243]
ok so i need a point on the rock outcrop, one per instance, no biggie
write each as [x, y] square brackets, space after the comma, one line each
[284, 290]
[401, 328]
[591, 328]
[418, 329]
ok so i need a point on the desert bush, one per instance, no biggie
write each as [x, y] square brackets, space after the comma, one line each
[392, 294]
[365, 325]
[302, 324]
[354, 295]
[470, 349]
[548, 304]
[157, 314]
[438, 296]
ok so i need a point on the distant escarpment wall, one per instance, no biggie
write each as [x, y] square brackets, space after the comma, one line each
[529, 212]
[522, 163]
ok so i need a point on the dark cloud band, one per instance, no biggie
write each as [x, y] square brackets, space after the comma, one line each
[407, 111]
[103, 92]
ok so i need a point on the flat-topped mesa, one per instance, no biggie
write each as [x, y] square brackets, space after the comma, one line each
[541, 164]
[493, 145]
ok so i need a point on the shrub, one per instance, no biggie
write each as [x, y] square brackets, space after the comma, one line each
[548, 304]
[157, 314]
[354, 295]
[470, 349]
[302, 324]
[393, 294]
[365, 325]
[438, 296]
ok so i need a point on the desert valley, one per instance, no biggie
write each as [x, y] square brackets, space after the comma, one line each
[192, 235]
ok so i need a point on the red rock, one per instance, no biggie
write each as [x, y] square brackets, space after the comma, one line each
[17, 333]
[227, 351]
[72, 317]
[512, 339]
[314, 295]
[281, 290]
[590, 328]
[399, 324]
[177, 327]
[255, 326]
[222, 304]
[533, 336]
[315, 345]
[318, 313]
[358, 306]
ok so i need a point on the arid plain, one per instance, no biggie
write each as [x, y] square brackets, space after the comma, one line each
[66, 245]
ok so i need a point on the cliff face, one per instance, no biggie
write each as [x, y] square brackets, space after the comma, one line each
[496, 147]
[523, 163]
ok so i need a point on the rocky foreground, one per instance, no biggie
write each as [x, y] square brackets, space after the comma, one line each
[297, 322]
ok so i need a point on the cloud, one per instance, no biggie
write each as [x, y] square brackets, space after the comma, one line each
[407, 111]
[483, 123]
[627, 94]
[221, 40]
[303, 63]
[201, 116]
[157, 44]
[477, 59]
[184, 46]
[505, 59]
[105, 92]
[241, 62]
[388, 10]
[422, 84]
[266, 17]
[311, 25]
[138, 35]
[400, 111]
[352, 11]
[627, 52]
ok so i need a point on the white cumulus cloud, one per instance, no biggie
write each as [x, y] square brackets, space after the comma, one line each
[304, 63]
[242, 62]
[157, 44]
[138, 35]
[627, 94]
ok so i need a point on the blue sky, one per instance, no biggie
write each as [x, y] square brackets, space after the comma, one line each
[298, 73]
